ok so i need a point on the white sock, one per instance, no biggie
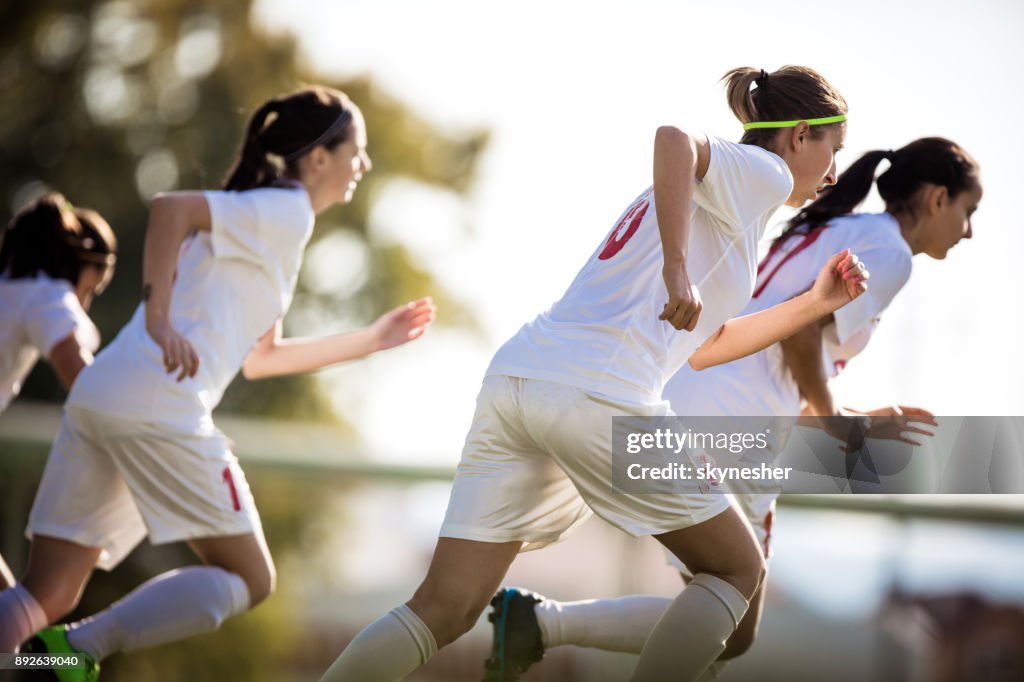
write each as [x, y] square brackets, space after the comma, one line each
[6, 577]
[621, 624]
[21, 616]
[693, 631]
[386, 650]
[714, 672]
[171, 606]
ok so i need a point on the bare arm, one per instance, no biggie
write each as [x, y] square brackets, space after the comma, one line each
[276, 356]
[839, 282]
[804, 356]
[172, 217]
[802, 353]
[68, 358]
[680, 159]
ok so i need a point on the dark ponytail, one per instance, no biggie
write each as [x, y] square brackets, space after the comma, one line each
[930, 160]
[42, 238]
[790, 94]
[284, 130]
[253, 168]
[97, 245]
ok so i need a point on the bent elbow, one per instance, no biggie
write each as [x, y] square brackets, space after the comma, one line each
[252, 370]
[698, 364]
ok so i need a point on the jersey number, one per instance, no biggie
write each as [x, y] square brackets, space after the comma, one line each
[229, 479]
[622, 234]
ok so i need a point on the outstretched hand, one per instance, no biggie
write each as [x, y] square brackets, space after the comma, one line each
[178, 352]
[890, 423]
[684, 305]
[403, 324]
[842, 279]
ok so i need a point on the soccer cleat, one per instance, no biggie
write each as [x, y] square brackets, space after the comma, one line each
[54, 640]
[517, 643]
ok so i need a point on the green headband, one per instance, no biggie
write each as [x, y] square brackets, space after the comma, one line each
[792, 124]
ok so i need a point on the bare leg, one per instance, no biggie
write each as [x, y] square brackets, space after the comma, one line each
[246, 556]
[460, 582]
[183, 602]
[57, 573]
[728, 569]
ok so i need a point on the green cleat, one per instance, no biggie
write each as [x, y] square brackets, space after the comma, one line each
[54, 641]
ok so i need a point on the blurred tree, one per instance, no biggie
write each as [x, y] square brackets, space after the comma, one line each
[112, 102]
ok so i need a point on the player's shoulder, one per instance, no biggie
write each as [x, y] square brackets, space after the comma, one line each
[760, 168]
[37, 291]
[876, 231]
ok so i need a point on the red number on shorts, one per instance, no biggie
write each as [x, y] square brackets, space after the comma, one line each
[617, 239]
[230, 480]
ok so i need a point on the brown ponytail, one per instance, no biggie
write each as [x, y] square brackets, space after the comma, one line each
[284, 130]
[789, 94]
[41, 238]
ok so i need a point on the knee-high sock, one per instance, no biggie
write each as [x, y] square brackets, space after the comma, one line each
[622, 624]
[693, 631]
[6, 577]
[714, 672]
[21, 616]
[171, 606]
[386, 650]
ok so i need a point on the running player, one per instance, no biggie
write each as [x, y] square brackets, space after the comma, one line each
[537, 457]
[138, 451]
[930, 189]
[53, 261]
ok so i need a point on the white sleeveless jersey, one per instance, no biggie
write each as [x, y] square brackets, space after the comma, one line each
[761, 384]
[231, 285]
[36, 313]
[604, 335]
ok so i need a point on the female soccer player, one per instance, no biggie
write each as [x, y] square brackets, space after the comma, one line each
[53, 261]
[538, 457]
[138, 451]
[930, 189]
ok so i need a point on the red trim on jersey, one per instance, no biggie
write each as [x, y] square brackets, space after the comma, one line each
[634, 216]
[809, 239]
[230, 480]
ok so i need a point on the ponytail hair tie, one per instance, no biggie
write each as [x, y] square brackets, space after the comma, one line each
[760, 80]
[889, 155]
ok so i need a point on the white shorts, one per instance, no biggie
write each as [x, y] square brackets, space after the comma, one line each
[109, 481]
[538, 459]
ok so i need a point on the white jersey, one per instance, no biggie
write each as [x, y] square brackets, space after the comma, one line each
[761, 384]
[35, 314]
[231, 285]
[604, 335]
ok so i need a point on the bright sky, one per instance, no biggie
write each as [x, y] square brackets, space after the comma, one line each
[573, 91]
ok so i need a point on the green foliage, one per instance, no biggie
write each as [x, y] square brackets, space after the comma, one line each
[110, 102]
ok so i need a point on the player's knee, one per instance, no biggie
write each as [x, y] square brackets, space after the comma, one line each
[739, 643]
[55, 600]
[261, 581]
[743, 569]
[449, 612]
